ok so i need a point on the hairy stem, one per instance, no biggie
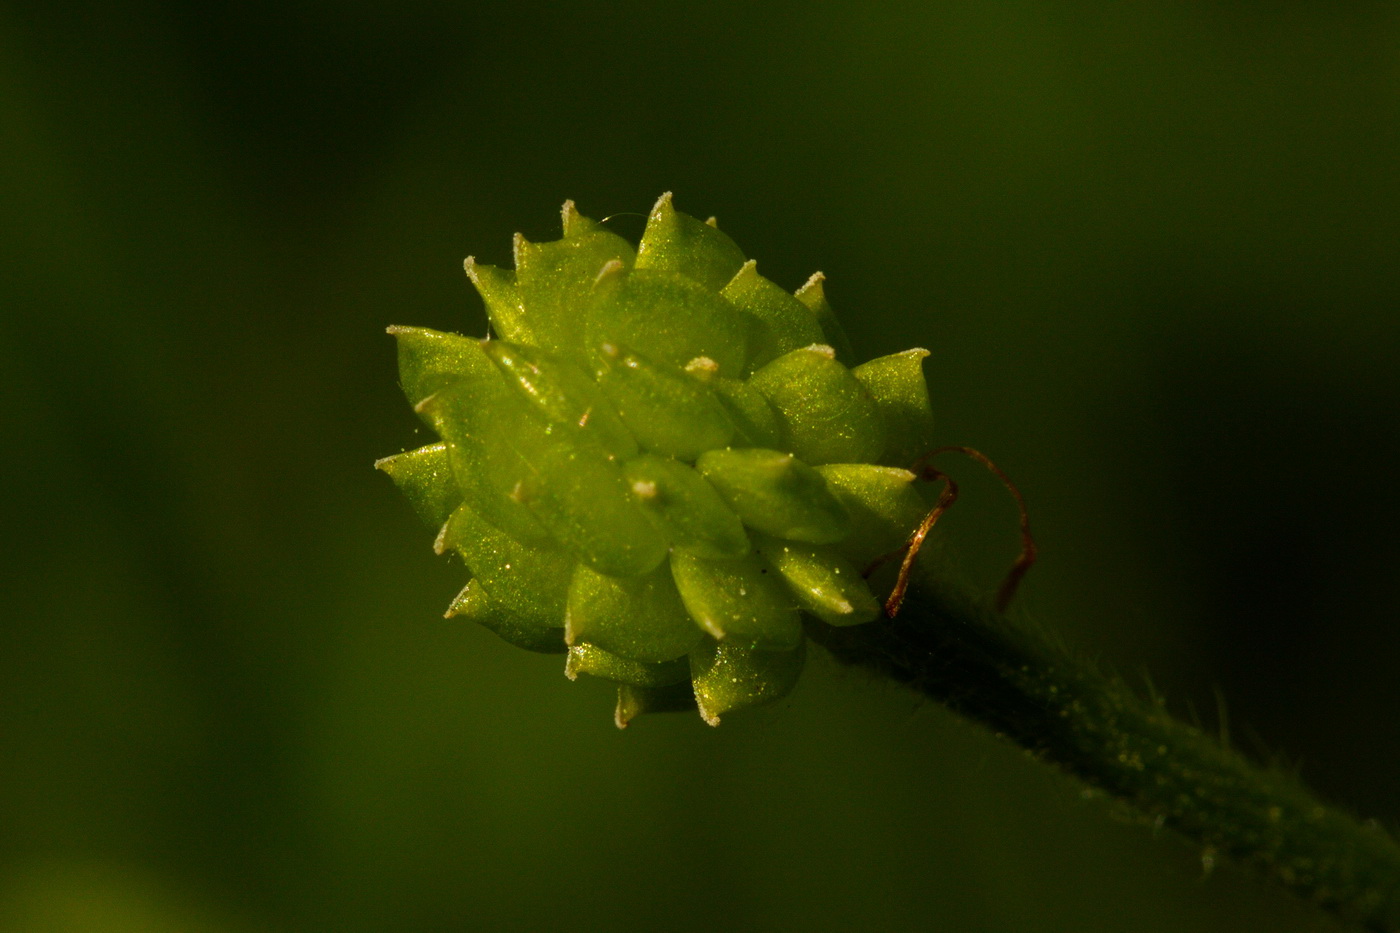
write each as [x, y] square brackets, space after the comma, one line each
[1063, 712]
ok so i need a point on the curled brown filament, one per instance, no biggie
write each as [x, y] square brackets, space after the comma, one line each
[946, 498]
[924, 470]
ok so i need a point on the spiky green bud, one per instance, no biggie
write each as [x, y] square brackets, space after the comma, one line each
[661, 464]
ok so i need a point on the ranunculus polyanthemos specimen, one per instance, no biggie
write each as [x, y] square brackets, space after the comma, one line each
[660, 460]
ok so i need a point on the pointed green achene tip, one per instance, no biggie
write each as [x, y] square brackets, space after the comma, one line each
[424, 476]
[572, 222]
[596, 662]
[728, 677]
[660, 463]
[676, 242]
[633, 701]
[611, 271]
[427, 405]
[813, 295]
[663, 204]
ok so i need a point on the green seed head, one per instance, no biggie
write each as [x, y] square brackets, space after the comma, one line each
[661, 462]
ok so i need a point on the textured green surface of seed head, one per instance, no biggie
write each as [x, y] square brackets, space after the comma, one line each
[660, 462]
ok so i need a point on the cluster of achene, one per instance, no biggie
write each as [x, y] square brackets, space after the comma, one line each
[661, 461]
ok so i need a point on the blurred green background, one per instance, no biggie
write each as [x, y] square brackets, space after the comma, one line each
[1152, 246]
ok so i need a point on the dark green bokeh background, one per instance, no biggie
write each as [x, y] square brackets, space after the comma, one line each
[1153, 249]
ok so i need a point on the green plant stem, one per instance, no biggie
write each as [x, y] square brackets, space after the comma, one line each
[1064, 712]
